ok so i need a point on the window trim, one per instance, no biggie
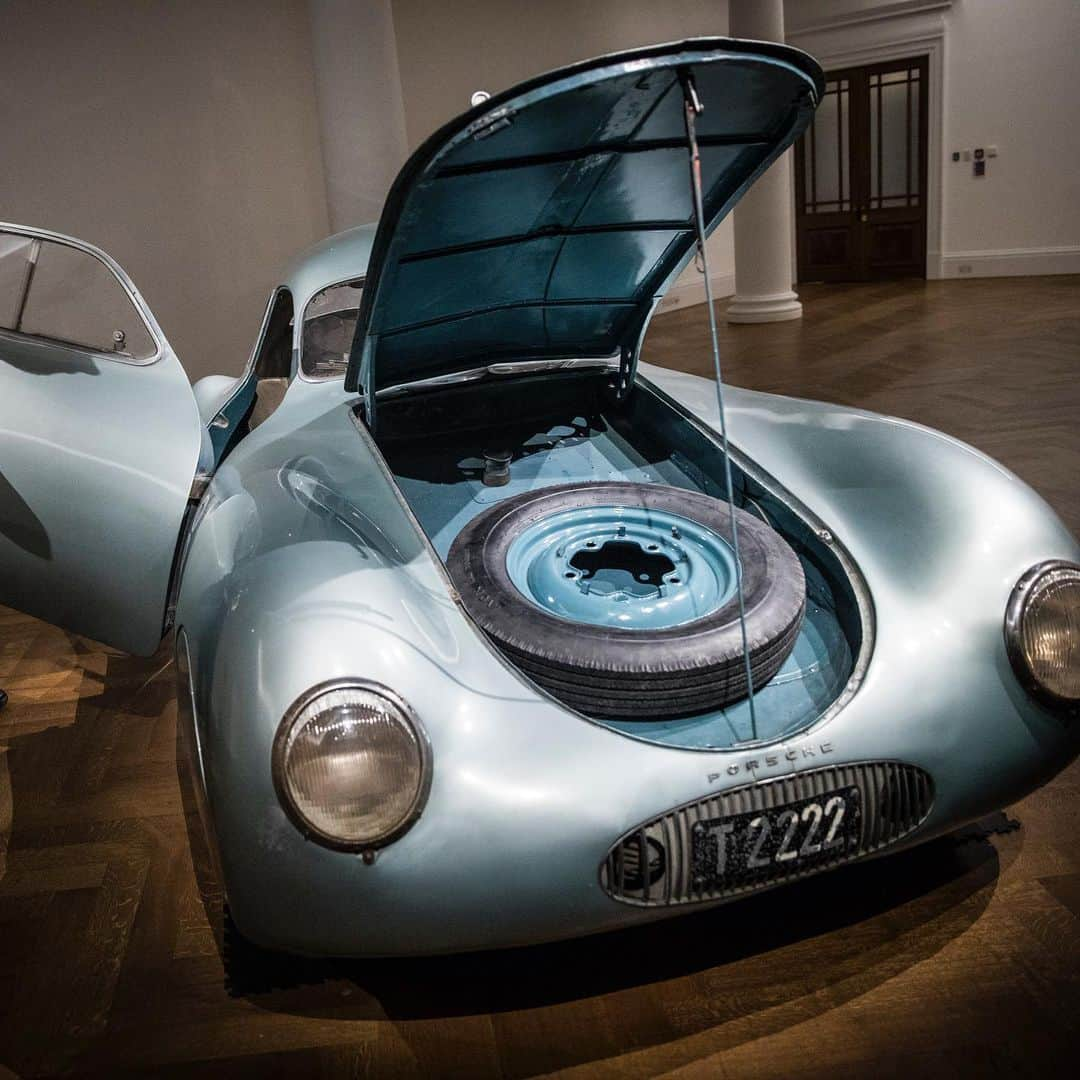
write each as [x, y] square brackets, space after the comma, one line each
[119, 275]
[299, 342]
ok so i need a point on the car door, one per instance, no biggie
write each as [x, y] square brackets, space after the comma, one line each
[100, 442]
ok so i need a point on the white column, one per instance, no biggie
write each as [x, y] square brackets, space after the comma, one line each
[361, 113]
[764, 272]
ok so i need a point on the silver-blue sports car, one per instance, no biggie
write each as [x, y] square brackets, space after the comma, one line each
[487, 634]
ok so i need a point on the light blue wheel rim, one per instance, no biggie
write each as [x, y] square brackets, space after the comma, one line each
[576, 565]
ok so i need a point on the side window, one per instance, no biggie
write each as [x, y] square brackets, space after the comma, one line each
[62, 293]
[329, 321]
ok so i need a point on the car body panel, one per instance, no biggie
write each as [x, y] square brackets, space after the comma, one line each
[548, 220]
[341, 257]
[308, 566]
[97, 459]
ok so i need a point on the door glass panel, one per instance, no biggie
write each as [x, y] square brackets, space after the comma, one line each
[14, 264]
[828, 188]
[894, 139]
[75, 298]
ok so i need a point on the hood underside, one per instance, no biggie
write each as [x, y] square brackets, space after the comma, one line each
[547, 222]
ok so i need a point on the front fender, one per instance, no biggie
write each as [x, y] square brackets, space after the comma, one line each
[305, 566]
[941, 533]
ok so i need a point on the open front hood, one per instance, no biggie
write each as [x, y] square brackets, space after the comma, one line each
[547, 221]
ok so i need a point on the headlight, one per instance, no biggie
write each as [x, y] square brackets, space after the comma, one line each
[1042, 632]
[352, 766]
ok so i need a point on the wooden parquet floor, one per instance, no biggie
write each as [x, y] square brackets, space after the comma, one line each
[958, 959]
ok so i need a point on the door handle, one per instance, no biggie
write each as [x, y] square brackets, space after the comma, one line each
[862, 215]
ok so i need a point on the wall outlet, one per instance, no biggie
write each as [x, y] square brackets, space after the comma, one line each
[964, 268]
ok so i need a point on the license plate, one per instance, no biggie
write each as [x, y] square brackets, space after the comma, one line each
[760, 845]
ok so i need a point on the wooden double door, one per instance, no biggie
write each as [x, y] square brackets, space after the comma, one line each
[860, 176]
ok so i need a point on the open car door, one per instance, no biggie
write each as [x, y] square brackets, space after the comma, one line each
[100, 441]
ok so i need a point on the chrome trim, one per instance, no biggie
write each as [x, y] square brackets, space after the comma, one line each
[125, 282]
[1015, 610]
[277, 765]
[502, 369]
[895, 799]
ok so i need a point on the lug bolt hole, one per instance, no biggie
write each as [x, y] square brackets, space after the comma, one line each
[570, 574]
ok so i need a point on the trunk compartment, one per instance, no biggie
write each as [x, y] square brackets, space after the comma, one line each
[562, 428]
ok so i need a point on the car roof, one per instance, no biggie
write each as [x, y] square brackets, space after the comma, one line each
[341, 257]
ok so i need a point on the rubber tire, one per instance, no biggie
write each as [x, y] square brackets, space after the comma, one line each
[633, 674]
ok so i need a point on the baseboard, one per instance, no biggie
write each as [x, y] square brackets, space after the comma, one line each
[1011, 262]
[693, 292]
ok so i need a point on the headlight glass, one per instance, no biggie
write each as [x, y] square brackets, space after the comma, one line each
[352, 765]
[1042, 629]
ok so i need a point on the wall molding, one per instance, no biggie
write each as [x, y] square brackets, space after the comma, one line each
[1011, 262]
[900, 8]
[688, 293]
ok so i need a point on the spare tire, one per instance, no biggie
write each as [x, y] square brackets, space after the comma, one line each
[619, 599]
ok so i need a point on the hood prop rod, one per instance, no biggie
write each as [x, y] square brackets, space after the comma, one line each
[693, 108]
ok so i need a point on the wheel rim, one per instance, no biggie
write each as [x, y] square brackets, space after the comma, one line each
[628, 567]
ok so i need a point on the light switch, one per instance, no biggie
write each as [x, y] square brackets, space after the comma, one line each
[991, 151]
[965, 154]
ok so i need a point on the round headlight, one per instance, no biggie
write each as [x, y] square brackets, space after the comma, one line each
[352, 765]
[1042, 632]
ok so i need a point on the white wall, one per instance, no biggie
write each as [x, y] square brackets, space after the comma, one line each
[361, 112]
[182, 138]
[1012, 79]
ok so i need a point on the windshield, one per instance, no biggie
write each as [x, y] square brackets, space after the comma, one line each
[329, 321]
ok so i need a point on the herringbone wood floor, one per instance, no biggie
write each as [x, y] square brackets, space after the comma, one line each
[959, 959]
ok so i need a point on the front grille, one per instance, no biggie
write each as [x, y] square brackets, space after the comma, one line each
[655, 865]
